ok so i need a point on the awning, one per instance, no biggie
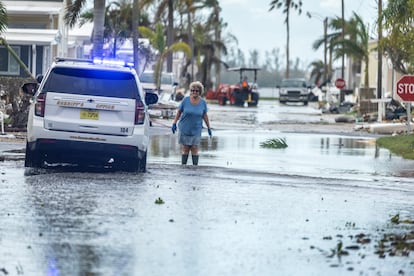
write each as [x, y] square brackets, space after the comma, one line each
[30, 36]
[33, 7]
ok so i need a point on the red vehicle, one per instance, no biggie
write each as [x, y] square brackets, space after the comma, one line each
[240, 94]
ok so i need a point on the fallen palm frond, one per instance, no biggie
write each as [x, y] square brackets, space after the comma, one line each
[274, 143]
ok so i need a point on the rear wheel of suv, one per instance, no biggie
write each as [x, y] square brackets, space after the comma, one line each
[136, 164]
[32, 158]
[142, 167]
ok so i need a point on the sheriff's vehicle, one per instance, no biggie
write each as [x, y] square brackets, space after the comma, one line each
[89, 113]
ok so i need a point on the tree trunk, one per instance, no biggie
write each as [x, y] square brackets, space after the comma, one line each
[170, 34]
[17, 58]
[217, 50]
[190, 38]
[379, 71]
[287, 45]
[98, 27]
[135, 22]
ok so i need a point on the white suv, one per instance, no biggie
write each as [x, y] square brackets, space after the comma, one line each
[168, 84]
[89, 113]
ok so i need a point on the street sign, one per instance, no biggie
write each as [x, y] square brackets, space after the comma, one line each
[340, 83]
[405, 88]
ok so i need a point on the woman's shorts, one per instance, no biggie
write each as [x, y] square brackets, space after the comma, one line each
[188, 140]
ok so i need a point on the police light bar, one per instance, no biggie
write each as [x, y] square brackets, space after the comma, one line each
[113, 62]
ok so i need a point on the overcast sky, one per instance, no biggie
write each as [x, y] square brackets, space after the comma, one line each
[257, 28]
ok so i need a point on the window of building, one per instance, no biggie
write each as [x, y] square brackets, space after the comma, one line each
[8, 65]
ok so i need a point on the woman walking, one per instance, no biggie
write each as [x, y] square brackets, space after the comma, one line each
[190, 115]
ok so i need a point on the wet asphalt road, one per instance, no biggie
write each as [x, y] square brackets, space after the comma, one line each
[243, 211]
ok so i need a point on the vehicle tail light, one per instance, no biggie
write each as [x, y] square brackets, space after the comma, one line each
[40, 105]
[139, 113]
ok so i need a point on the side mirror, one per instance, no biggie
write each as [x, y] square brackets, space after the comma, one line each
[175, 83]
[151, 98]
[29, 88]
[39, 78]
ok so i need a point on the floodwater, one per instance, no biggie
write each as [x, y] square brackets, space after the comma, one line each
[312, 155]
[316, 154]
[245, 210]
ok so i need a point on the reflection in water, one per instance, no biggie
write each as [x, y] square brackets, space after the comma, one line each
[166, 145]
[71, 207]
[207, 144]
[345, 145]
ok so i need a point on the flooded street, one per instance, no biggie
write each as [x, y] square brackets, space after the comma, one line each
[245, 210]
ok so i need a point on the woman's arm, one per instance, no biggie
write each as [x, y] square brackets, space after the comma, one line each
[177, 116]
[206, 120]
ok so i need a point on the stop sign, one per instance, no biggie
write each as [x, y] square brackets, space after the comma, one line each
[405, 88]
[340, 83]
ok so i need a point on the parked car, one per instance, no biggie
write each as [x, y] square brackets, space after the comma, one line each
[88, 113]
[168, 97]
[168, 83]
[294, 90]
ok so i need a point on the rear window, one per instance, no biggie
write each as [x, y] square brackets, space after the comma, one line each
[148, 77]
[92, 82]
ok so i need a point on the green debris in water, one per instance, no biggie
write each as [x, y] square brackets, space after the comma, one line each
[275, 143]
[159, 201]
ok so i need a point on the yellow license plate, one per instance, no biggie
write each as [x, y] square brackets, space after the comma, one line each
[89, 114]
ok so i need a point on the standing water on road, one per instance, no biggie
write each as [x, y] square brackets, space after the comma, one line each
[312, 155]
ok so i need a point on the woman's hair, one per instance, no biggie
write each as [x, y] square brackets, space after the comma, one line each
[198, 85]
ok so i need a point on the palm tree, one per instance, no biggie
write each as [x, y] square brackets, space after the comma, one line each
[158, 41]
[317, 70]
[287, 5]
[356, 45]
[397, 44]
[73, 11]
[3, 27]
[334, 42]
[190, 14]
[3, 18]
[169, 6]
[118, 22]
[217, 25]
[205, 48]
[134, 24]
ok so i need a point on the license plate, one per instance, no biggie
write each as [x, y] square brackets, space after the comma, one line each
[89, 114]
